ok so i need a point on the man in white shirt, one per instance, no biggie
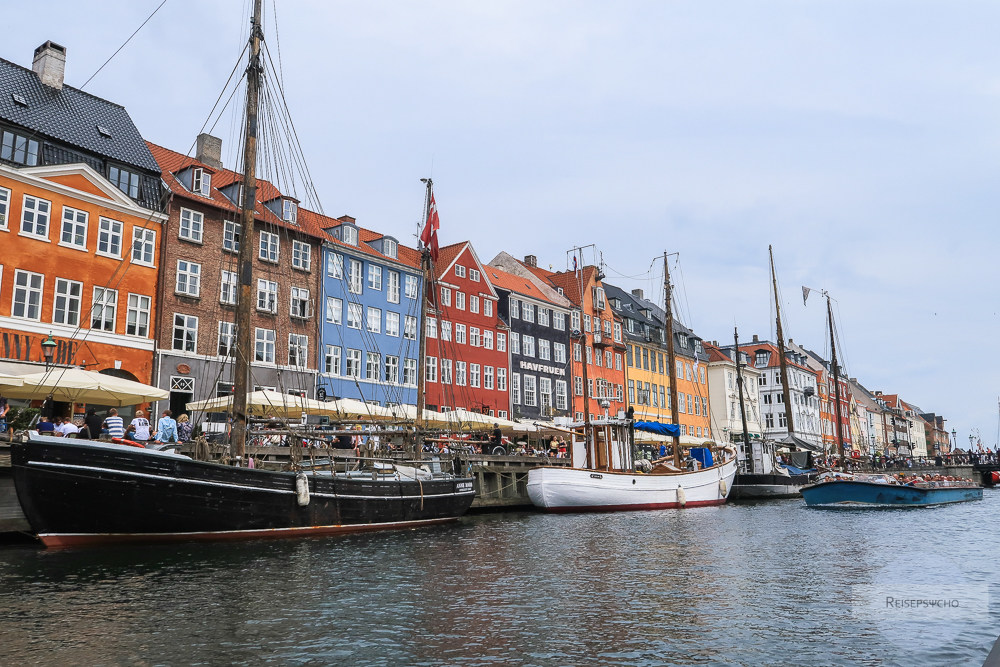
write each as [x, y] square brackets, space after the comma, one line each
[66, 427]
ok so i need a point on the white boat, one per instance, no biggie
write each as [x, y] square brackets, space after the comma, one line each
[604, 478]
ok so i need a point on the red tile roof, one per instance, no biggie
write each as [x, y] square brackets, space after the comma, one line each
[508, 281]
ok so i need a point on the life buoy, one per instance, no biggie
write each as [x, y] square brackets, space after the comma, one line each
[995, 477]
[130, 443]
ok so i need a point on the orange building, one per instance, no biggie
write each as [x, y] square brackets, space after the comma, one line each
[79, 194]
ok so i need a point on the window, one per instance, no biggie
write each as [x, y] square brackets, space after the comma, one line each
[410, 328]
[269, 247]
[299, 306]
[487, 377]
[530, 397]
[264, 345]
[445, 330]
[461, 378]
[4, 207]
[410, 372]
[109, 238]
[104, 311]
[488, 339]
[575, 320]
[335, 265]
[618, 332]
[301, 256]
[501, 342]
[355, 313]
[459, 270]
[267, 295]
[74, 227]
[374, 319]
[586, 323]
[487, 307]
[474, 339]
[562, 400]
[143, 244]
[473, 304]
[608, 357]
[353, 363]
[231, 236]
[411, 287]
[431, 370]
[124, 180]
[545, 392]
[501, 379]
[559, 321]
[349, 235]
[578, 385]
[528, 312]
[227, 288]
[577, 352]
[446, 296]
[35, 217]
[559, 353]
[18, 148]
[354, 281]
[515, 388]
[515, 342]
[446, 371]
[227, 339]
[544, 350]
[185, 333]
[392, 369]
[298, 350]
[389, 248]
[391, 324]
[460, 333]
[137, 315]
[192, 223]
[460, 300]
[618, 361]
[66, 307]
[515, 307]
[334, 310]
[289, 210]
[631, 391]
[528, 343]
[474, 375]
[331, 360]
[430, 327]
[374, 277]
[392, 290]
[201, 182]
[474, 275]
[188, 281]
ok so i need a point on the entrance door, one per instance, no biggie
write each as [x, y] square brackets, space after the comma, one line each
[181, 393]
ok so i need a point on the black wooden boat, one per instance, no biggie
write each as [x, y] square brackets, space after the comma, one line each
[80, 492]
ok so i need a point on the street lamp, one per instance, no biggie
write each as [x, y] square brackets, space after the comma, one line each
[954, 439]
[49, 350]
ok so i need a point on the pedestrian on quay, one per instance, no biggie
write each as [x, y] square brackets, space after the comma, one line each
[166, 428]
[114, 424]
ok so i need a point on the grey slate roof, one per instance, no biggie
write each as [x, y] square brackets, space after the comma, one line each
[71, 116]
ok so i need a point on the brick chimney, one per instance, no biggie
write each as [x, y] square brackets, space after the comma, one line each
[755, 339]
[531, 260]
[50, 64]
[637, 293]
[209, 150]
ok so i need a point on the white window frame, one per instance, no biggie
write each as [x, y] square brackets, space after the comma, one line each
[392, 324]
[191, 226]
[226, 340]
[334, 310]
[301, 256]
[187, 325]
[4, 209]
[411, 287]
[392, 287]
[137, 314]
[298, 350]
[143, 244]
[355, 279]
[335, 265]
[375, 277]
[77, 223]
[264, 345]
[268, 289]
[36, 214]
[104, 300]
[373, 319]
[269, 248]
[231, 232]
[228, 288]
[190, 272]
[332, 360]
[72, 303]
[355, 316]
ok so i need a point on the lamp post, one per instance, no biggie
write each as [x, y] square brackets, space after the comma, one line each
[954, 439]
[49, 350]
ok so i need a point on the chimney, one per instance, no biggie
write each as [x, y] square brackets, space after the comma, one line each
[637, 293]
[531, 260]
[209, 150]
[50, 64]
[755, 339]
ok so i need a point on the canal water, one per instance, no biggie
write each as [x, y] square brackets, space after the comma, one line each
[772, 583]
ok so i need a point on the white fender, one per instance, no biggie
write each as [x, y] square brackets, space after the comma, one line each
[722, 489]
[302, 489]
[681, 499]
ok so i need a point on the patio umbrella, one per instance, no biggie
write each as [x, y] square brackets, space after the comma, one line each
[10, 380]
[79, 386]
[467, 419]
[266, 402]
[431, 418]
[351, 408]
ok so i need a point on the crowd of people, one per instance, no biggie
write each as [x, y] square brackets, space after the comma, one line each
[93, 426]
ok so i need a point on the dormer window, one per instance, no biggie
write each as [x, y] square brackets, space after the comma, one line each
[683, 339]
[761, 358]
[390, 248]
[201, 181]
[349, 235]
[290, 211]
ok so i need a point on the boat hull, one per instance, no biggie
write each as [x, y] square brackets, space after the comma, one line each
[846, 494]
[583, 490]
[759, 486]
[81, 492]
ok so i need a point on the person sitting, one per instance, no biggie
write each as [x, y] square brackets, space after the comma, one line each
[184, 428]
[67, 428]
[139, 427]
[166, 428]
[45, 426]
[91, 425]
[114, 424]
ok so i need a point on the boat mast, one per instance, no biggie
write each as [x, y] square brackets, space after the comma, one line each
[244, 339]
[781, 350]
[743, 412]
[588, 435]
[836, 382]
[671, 362]
[428, 293]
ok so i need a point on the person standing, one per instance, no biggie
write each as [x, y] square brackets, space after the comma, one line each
[184, 428]
[139, 427]
[91, 425]
[4, 408]
[114, 424]
[166, 428]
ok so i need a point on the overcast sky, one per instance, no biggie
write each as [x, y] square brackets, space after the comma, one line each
[860, 139]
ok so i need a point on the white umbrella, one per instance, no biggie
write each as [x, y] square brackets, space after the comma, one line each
[463, 419]
[430, 417]
[351, 408]
[79, 386]
[267, 403]
[10, 380]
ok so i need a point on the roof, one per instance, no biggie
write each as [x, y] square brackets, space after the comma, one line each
[517, 284]
[569, 281]
[773, 361]
[71, 116]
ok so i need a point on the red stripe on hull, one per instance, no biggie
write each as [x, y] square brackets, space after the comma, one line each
[55, 540]
[631, 508]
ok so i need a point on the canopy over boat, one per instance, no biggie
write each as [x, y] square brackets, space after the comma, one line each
[659, 428]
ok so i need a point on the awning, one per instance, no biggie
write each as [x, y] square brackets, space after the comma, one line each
[659, 428]
[799, 443]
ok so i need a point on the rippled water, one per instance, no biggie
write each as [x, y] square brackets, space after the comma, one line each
[771, 583]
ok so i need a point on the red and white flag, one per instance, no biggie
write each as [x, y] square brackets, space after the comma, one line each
[429, 236]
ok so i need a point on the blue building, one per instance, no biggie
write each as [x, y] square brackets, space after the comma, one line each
[371, 316]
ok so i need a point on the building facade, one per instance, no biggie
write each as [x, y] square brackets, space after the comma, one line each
[724, 394]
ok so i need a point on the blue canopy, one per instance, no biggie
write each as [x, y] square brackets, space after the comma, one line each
[657, 427]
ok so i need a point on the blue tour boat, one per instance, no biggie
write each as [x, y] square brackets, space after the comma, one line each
[840, 490]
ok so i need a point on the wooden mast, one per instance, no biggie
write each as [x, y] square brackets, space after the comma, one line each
[244, 339]
[743, 412]
[787, 394]
[836, 382]
[427, 295]
[671, 362]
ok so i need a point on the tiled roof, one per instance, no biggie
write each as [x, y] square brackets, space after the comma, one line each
[508, 281]
[715, 354]
[71, 116]
[569, 281]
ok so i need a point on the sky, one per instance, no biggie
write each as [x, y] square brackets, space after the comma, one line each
[861, 139]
